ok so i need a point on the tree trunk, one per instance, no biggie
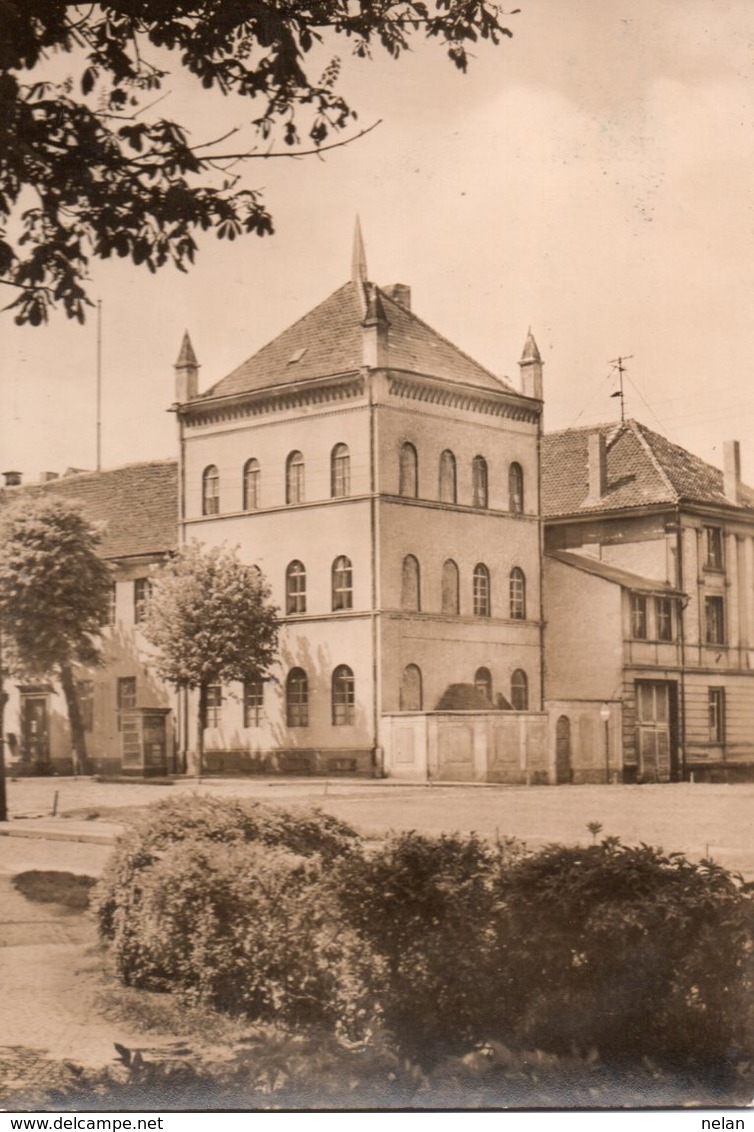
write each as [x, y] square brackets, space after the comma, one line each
[78, 736]
[201, 723]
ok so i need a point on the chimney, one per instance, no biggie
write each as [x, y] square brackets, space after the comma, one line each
[530, 366]
[375, 324]
[400, 293]
[12, 479]
[596, 467]
[186, 372]
[48, 477]
[732, 471]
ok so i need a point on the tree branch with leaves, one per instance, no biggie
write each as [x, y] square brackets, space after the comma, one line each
[84, 176]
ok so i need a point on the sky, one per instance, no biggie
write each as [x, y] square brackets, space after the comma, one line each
[590, 178]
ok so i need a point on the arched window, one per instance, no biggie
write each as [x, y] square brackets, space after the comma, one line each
[516, 489]
[481, 590]
[295, 588]
[449, 587]
[483, 683]
[519, 691]
[518, 594]
[294, 478]
[479, 482]
[297, 698]
[340, 471]
[408, 483]
[447, 477]
[343, 696]
[342, 583]
[410, 585]
[251, 485]
[411, 688]
[211, 491]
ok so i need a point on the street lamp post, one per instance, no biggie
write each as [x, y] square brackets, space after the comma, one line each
[605, 717]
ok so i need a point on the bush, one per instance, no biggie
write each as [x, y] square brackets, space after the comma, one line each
[197, 818]
[629, 951]
[246, 929]
[426, 906]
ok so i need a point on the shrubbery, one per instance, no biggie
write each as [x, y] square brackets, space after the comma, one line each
[445, 943]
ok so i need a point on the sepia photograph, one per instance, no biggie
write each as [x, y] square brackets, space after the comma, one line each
[376, 556]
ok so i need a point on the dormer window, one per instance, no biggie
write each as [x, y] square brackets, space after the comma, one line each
[297, 356]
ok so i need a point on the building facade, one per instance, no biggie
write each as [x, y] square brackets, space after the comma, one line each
[649, 577]
[387, 486]
[121, 700]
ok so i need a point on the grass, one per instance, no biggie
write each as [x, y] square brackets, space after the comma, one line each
[68, 890]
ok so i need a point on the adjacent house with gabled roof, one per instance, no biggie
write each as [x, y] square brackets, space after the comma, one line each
[136, 510]
[649, 581]
[387, 486]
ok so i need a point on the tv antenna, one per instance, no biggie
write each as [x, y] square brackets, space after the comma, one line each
[617, 364]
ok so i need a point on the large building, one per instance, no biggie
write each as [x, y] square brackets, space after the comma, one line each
[388, 488]
[135, 508]
[649, 579]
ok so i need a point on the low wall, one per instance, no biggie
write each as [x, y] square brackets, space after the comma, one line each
[300, 762]
[467, 746]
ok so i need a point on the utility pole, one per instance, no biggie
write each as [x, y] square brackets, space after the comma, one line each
[3, 698]
[617, 363]
[99, 385]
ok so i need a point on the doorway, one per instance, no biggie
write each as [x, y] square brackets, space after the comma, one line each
[35, 731]
[563, 768]
[657, 730]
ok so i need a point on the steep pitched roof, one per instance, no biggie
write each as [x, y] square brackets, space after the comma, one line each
[328, 341]
[643, 468]
[610, 573]
[136, 504]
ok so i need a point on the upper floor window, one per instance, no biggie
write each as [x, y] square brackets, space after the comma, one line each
[251, 476]
[126, 693]
[408, 481]
[516, 489]
[340, 471]
[253, 702]
[481, 590]
[483, 683]
[294, 478]
[518, 594]
[343, 696]
[519, 690]
[450, 601]
[713, 548]
[716, 709]
[342, 583]
[714, 620]
[664, 618]
[211, 491]
[410, 585]
[110, 611]
[297, 698]
[295, 588]
[479, 482]
[142, 589]
[447, 477]
[411, 695]
[639, 617]
[214, 705]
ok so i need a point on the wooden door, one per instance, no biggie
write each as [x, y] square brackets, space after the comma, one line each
[35, 730]
[653, 730]
[563, 769]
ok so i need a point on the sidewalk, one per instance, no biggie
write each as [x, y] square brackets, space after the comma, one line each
[63, 829]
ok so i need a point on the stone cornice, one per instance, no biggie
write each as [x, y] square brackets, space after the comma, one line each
[440, 391]
[260, 402]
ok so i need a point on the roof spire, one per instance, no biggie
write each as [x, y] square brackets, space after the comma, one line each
[359, 259]
[186, 355]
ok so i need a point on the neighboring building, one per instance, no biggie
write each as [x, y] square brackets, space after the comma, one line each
[121, 701]
[387, 486]
[649, 581]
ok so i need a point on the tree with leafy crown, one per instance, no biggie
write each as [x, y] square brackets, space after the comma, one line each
[87, 170]
[54, 596]
[210, 619]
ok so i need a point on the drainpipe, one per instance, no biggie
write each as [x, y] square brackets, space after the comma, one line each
[682, 644]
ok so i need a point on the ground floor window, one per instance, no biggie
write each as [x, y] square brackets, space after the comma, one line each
[297, 698]
[716, 701]
[253, 703]
[519, 690]
[343, 696]
[85, 690]
[214, 705]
